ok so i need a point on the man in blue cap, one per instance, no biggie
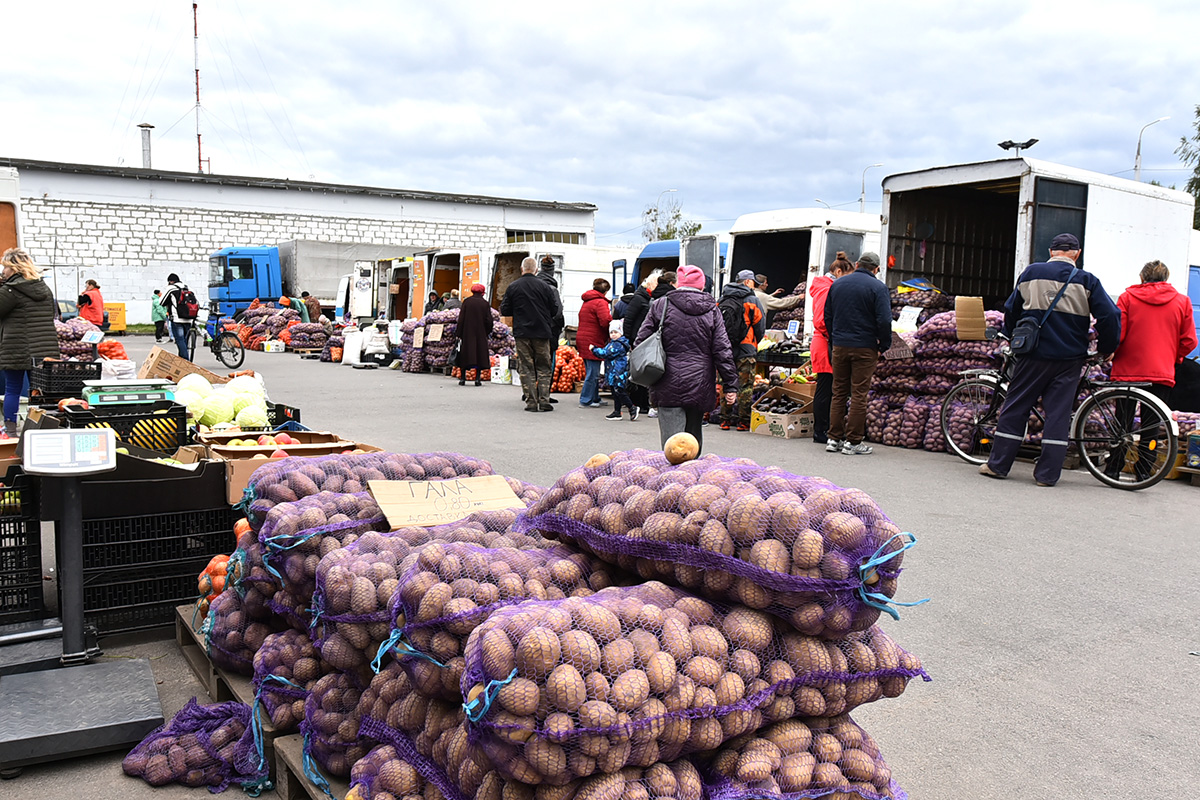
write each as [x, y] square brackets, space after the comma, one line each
[1052, 370]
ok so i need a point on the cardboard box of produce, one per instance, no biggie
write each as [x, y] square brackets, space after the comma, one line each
[795, 424]
[161, 364]
[240, 462]
[222, 439]
[970, 323]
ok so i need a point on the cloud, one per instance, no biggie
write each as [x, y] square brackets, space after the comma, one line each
[740, 107]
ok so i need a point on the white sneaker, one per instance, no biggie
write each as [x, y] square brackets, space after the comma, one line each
[860, 449]
[833, 446]
[633, 414]
[652, 413]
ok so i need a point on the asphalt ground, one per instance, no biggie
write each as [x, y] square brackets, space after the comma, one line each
[1057, 634]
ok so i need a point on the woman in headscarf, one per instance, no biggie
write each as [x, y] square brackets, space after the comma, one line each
[474, 326]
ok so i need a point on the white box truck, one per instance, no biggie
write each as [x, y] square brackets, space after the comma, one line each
[794, 245]
[972, 228]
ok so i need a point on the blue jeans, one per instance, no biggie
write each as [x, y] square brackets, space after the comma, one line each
[591, 383]
[16, 383]
[179, 332]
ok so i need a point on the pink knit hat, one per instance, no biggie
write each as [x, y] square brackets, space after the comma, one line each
[689, 277]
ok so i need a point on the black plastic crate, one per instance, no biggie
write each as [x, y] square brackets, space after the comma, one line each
[278, 414]
[160, 426]
[115, 589]
[52, 381]
[20, 550]
[138, 618]
[154, 538]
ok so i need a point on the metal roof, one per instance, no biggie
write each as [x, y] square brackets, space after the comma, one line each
[286, 184]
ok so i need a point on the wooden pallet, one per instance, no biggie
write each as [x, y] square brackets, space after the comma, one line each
[305, 350]
[221, 685]
[290, 781]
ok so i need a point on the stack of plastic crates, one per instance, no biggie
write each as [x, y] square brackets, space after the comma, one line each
[20, 550]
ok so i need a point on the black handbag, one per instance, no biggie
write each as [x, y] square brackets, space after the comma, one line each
[1028, 330]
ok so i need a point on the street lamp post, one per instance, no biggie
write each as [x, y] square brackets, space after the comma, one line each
[822, 202]
[658, 226]
[1137, 159]
[862, 195]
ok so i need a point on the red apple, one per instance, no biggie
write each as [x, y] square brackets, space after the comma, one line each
[266, 440]
[279, 453]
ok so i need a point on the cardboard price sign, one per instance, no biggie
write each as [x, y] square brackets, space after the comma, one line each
[418, 338]
[435, 332]
[429, 503]
[899, 349]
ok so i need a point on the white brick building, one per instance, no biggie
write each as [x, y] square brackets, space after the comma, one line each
[129, 228]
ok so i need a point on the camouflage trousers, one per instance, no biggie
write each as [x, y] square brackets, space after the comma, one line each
[734, 413]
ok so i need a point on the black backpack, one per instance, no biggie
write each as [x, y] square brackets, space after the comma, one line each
[187, 306]
[733, 311]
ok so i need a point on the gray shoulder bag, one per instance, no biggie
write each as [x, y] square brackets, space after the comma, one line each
[648, 361]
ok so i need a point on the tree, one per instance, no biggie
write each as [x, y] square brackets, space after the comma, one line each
[665, 221]
[1189, 153]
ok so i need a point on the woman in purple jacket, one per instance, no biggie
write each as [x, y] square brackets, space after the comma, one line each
[697, 348]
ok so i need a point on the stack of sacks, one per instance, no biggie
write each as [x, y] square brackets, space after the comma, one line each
[69, 335]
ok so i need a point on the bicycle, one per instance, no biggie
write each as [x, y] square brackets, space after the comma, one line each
[1124, 435]
[225, 345]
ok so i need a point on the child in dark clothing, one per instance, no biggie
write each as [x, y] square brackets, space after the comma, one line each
[615, 354]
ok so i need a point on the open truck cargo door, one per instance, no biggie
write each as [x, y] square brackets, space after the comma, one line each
[703, 252]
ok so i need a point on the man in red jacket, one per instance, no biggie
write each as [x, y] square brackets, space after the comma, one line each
[1157, 331]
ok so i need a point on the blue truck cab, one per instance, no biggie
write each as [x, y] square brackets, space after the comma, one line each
[238, 275]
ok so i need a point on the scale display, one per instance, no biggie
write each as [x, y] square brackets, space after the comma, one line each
[70, 452]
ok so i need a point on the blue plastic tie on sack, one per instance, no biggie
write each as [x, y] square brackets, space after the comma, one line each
[248, 497]
[310, 769]
[397, 642]
[256, 715]
[478, 708]
[269, 549]
[876, 599]
[316, 610]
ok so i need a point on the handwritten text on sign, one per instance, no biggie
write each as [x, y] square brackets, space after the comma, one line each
[428, 503]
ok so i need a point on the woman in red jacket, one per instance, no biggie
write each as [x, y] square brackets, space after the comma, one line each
[818, 350]
[1157, 331]
[91, 304]
[594, 317]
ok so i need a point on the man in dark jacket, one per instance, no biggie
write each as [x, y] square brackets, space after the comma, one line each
[635, 314]
[622, 302]
[1052, 370]
[546, 273]
[533, 305]
[858, 318]
[745, 332]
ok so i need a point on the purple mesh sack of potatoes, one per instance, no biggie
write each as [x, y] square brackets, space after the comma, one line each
[357, 586]
[331, 723]
[286, 667]
[209, 746]
[287, 480]
[795, 759]
[565, 689]
[822, 557]
[232, 636]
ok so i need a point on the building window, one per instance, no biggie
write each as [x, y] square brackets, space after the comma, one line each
[517, 237]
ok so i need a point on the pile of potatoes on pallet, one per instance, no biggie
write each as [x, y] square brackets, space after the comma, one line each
[649, 627]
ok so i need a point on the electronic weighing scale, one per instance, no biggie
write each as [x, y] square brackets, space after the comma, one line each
[113, 393]
[76, 708]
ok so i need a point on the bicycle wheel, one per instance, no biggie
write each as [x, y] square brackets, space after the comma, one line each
[969, 415]
[191, 343]
[229, 350]
[1125, 437]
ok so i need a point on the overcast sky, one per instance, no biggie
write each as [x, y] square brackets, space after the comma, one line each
[740, 107]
